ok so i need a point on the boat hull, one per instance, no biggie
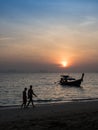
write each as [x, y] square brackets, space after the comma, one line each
[72, 83]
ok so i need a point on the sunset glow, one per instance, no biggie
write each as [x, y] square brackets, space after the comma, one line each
[48, 35]
[64, 63]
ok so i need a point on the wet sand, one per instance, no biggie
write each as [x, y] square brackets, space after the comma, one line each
[62, 116]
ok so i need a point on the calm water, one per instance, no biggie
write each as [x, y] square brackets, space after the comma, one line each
[46, 87]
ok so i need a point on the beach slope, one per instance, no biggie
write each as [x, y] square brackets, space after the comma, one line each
[68, 116]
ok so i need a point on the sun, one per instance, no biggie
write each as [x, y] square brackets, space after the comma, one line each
[64, 63]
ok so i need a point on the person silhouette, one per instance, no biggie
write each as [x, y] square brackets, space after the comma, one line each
[24, 97]
[30, 96]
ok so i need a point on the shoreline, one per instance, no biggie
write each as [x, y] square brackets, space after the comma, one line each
[51, 115]
[51, 103]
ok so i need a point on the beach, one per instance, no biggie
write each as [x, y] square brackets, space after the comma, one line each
[69, 116]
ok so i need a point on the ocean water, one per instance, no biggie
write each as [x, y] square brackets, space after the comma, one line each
[46, 87]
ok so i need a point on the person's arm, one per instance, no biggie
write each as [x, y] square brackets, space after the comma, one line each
[34, 94]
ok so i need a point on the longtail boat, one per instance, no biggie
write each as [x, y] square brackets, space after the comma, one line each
[68, 81]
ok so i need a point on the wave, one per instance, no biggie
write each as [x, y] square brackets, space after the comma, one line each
[84, 99]
[60, 100]
[47, 100]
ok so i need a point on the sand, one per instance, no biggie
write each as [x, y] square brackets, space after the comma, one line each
[61, 116]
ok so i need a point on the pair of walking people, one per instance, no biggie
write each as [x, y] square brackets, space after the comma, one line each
[30, 97]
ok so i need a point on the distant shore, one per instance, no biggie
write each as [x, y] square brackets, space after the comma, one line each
[72, 115]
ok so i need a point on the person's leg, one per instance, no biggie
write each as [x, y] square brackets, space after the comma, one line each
[22, 105]
[28, 103]
[33, 103]
[25, 104]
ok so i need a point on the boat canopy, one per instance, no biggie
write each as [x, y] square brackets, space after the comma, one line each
[67, 77]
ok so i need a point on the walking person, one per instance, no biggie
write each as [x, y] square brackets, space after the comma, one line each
[30, 96]
[24, 97]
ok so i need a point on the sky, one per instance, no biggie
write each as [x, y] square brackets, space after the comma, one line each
[38, 35]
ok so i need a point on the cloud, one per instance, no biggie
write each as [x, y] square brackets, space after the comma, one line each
[88, 21]
[5, 38]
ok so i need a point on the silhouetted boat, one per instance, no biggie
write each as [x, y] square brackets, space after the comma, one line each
[68, 81]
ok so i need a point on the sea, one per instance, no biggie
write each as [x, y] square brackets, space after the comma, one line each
[47, 88]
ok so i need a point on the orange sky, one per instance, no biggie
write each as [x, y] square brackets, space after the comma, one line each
[41, 39]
